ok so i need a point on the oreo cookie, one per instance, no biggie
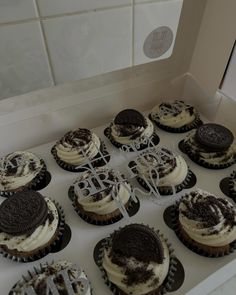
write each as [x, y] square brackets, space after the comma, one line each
[214, 137]
[130, 117]
[23, 213]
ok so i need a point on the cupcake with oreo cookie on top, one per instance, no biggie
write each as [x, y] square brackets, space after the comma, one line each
[79, 147]
[129, 128]
[137, 260]
[175, 116]
[30, 225]
[211, 146]
[20, 170]
[205, 223]
[161, 169]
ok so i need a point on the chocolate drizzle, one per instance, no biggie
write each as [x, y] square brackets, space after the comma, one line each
[138, 241]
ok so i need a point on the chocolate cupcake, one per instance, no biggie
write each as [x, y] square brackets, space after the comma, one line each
[131, 128]
[77, 148]
[20, 170]
[175, 116]
[60, 277]
[211, 146]
[30, 225]
[103, 201]
[137, 260]
[205, 223]
[162, 170]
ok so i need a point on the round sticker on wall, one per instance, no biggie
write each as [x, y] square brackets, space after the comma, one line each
[158, 42]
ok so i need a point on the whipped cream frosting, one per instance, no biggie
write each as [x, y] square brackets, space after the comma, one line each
[162, 169]
[102, 201]
[117, 274]
[223, 157]
[77, 146]
[18, 169]
[132, 133]
[207, 219]
[40, 237]
[38, 282]
[173, 114]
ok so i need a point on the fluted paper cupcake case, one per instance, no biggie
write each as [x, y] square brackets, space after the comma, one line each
[31, 185]
[167, 190]
[44, 251]
[154, 138]
[232, 190]
[195, 248]
[197, 122]
[204, 164]
[31, 274]
[73, 168]
[89, 220]
[166, 285]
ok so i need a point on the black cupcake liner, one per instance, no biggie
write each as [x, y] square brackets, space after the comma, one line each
[167, 285]
[133, 208]
[195, 158]
[197, 122]
[44, 251]
[154, 139]
[232, 190]
[33, 184]
[174, 215]
[189, 182]
[97, 161]
[32, 273]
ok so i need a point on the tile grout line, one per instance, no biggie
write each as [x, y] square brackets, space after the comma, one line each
[41, 18]
[133, 4]
[45, 44]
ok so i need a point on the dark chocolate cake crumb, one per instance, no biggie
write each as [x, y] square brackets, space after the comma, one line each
[137, 275]
[77, 138]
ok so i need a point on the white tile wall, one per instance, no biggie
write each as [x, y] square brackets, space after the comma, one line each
[13, 10]
[154, 15]
[23, 62]
[45, 42]
[88, 44]
[51, 7]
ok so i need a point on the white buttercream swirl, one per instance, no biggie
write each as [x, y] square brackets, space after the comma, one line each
[102, 201]
[18, 169]
[206, 221]
[116, 274]
[173, 114]
[224, 157]
[142, 133]
[38, 280]
[164, 168]
[40, 237]
[76, 150]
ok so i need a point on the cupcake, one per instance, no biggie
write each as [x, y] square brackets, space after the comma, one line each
[60, 277]
[20, 170]
[175, 116]
[206, 223]
[79, 147]
[137, 260]
[30, 225]
[102, 197]
[131, 128]
[211, 146]
[161, 170]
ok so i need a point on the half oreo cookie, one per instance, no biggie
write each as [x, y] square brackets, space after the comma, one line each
[130, 117]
